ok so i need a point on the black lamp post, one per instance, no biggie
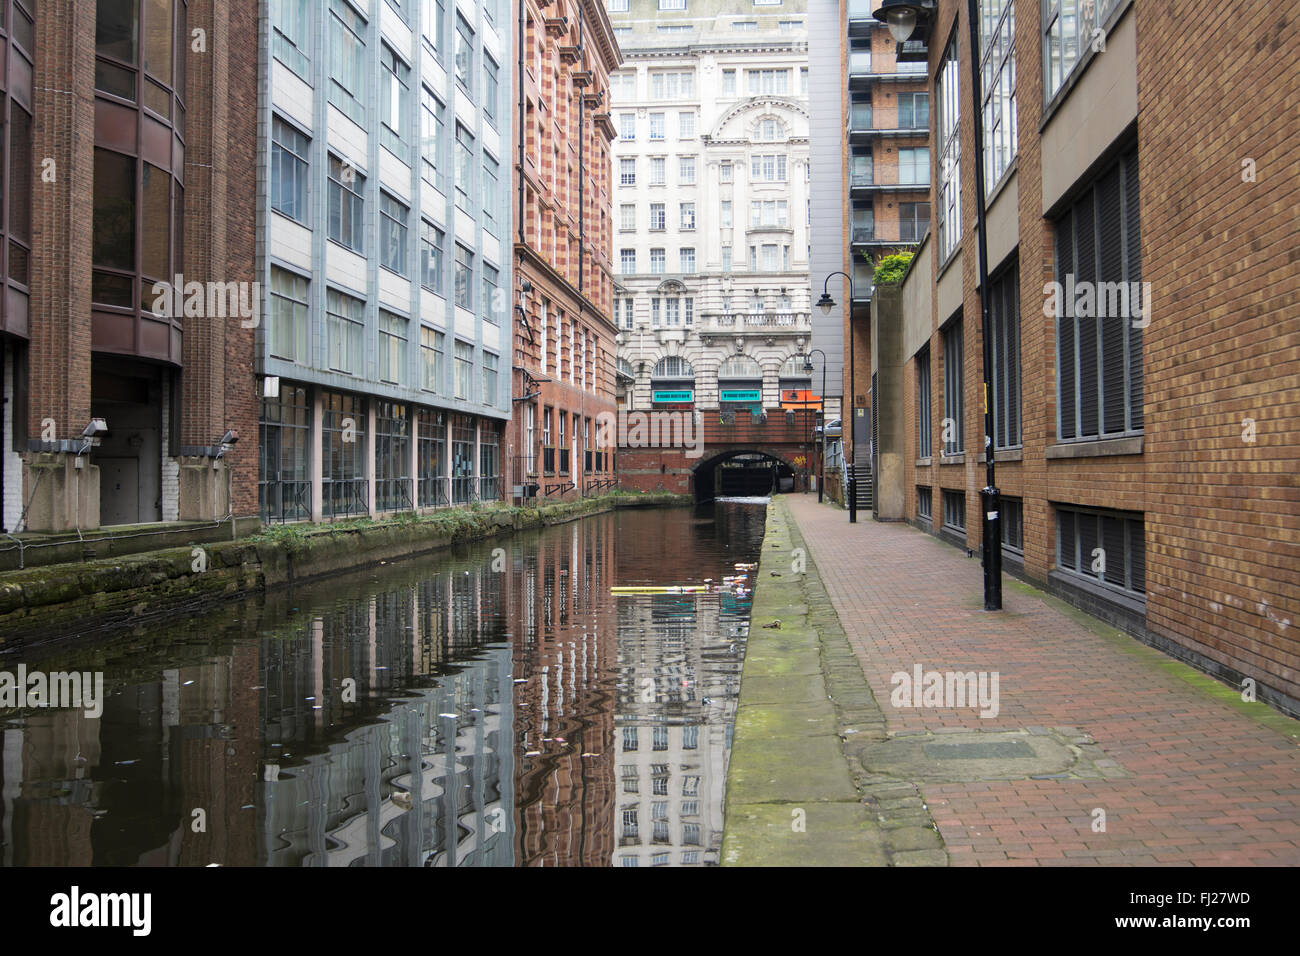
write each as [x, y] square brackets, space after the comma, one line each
[826, 303]
[821, 452]
[902, 17]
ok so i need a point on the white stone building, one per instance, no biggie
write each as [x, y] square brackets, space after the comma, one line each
[711, 211]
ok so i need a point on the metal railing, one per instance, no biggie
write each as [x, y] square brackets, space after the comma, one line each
[489, 488]
[599, 484]
[432, 492]
[283, 501]
[344, 497]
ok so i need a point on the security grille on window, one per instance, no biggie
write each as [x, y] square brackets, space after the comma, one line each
[923, 411]
[954, 402]
[1099, 309]
[1004, 315]
[925, 503]
[1107, 546]
[954, 510]
[948, 93]
[1013, 524]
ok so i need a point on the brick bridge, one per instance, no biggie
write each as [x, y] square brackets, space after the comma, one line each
[785, 439]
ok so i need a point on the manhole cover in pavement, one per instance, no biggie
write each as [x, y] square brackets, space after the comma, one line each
[977, 755]
[979, 751]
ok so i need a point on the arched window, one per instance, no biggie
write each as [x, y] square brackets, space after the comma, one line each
[740, 366]
[673, 366]
[795, 368]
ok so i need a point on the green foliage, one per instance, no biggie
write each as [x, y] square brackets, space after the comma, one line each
[890, 269]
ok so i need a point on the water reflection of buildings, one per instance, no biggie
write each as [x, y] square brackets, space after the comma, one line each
[679, 674]
[261, 738]
[564, 660]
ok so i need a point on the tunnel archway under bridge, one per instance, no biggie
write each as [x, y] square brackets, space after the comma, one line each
[743, 473]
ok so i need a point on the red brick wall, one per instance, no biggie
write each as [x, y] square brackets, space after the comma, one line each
[1222, 514]
[1223, 259]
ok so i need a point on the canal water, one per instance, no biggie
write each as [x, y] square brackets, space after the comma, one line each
[494, 706]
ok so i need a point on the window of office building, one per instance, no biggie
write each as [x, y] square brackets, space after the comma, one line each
[431, 247]
[392, 348]
[347, 220]
[1012, 514]
[431, 458]
[1004, 314]
[948, 94]
[1071, 30]
[432, 111]
[491, 85]
[284, 450]
[464, 55]
[657, 216]
[686, 171]
[288, 170]
[954, 510]
[1099, 374]
[431, 359]
[998, 63]
[656, 126]
[1107, 546]
[658, 170]
[767, 168]
[924, 503]
[627, 172]
[464, 277]
[287, 328]
[290, 23]
[392, 234]
[923, 410]
[344, 324]
[464, 168]
[627, 126]
[489, 460]
[658, 261]
[687, 210]
[394, 102]
[463, 435]
[392, 457]
[954, 400]
[464, 370]
[343, 454]
[347, 59]
[490, 379]
[685, 125]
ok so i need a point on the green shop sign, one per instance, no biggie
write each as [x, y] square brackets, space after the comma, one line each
[742, 396]
[685, 396]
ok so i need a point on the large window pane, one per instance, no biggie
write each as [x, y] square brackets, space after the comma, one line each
[114, 218]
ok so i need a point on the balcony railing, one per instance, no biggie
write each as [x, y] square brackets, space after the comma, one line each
[859, 62]
[761, 321]
[860, 9]
[860, 118]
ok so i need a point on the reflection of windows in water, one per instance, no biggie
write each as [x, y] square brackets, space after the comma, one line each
[690, 808]
[691, 786]
[690, 856]
[658, 859]
[628, 861]
[660, 834]
[629, 823]
[630, 741]
[660, 741]
[691, 834]
[631, 778]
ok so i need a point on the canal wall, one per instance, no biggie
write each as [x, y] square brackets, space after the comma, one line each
[59, 599]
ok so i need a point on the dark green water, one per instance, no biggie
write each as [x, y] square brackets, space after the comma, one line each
[492, 707]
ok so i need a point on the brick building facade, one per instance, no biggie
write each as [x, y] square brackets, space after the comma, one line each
[1146, 433]
[564, 374]
[129, 138]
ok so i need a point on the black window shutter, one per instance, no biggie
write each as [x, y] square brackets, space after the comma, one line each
[1133, 253]
[1112, 540]
[1113, 327]
[1065, 333]
[1085, 225]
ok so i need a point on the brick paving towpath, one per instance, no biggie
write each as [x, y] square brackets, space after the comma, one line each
[1185, 773]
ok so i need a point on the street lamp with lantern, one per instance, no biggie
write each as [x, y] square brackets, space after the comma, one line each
[902, 17]
[826, 303]
[821, 454]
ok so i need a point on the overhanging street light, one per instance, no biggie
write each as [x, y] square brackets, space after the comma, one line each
[897, 13]
[826, 303]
